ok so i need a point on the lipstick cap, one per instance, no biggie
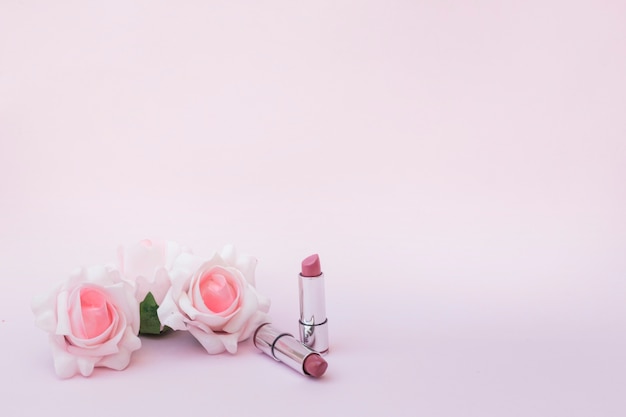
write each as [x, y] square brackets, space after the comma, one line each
[282, 346]
[313, 322]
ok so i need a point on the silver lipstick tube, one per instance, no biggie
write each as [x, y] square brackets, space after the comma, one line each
[282, 346]
[313, 320]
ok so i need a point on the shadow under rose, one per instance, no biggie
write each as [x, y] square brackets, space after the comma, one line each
[155, 348]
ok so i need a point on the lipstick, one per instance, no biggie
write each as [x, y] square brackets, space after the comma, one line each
[286, 349]
[313, 321]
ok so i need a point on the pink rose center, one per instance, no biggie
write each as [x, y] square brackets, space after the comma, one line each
[218, 292]
[96, 312]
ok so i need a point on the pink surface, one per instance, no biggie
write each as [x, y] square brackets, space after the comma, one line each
[311, 266]
[464, 166]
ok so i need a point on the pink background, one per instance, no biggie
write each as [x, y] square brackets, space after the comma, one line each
[459, 166]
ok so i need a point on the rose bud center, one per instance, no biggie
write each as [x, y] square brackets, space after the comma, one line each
[217, 292]
[96, 314]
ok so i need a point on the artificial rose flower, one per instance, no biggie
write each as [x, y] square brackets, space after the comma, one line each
[214, 300]
[93, 321]
[146, 265]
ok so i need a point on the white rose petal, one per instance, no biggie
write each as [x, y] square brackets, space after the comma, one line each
[147, 264]
[60, 314]
[183, 307]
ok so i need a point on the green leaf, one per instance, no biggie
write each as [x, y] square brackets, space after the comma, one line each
[149, 320]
